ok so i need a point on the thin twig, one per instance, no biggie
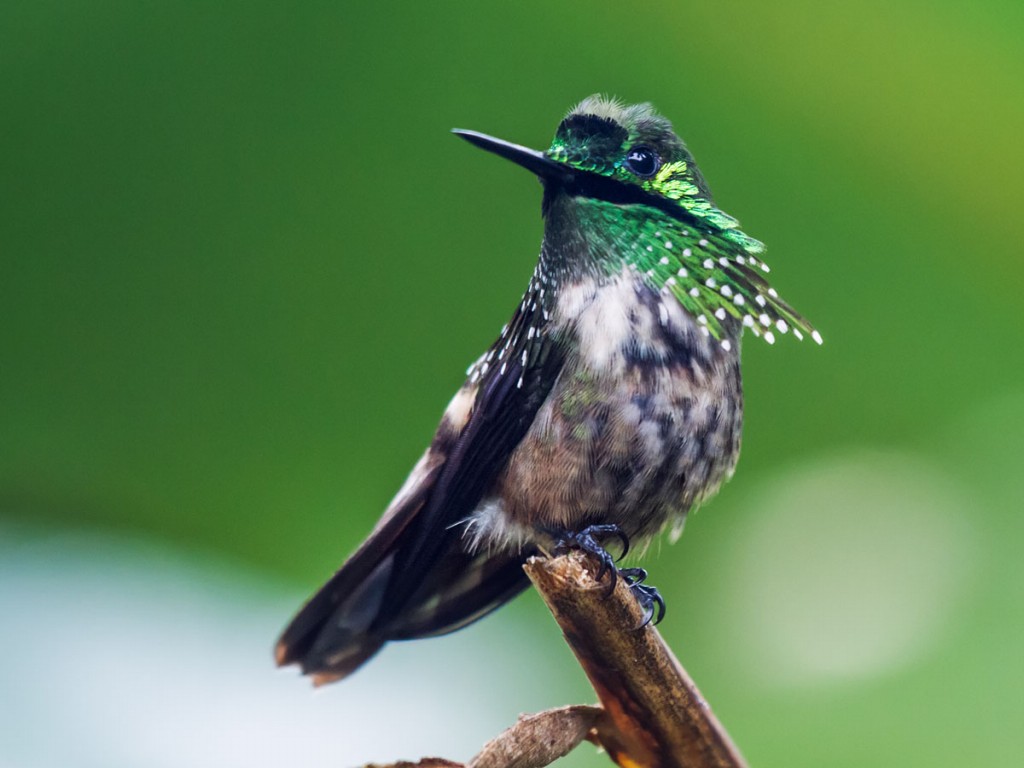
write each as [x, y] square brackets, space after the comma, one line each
[654, 715]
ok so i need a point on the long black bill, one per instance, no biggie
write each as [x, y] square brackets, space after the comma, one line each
[530, 159]
[573, 180]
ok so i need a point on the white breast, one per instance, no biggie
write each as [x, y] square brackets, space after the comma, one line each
[609, 318]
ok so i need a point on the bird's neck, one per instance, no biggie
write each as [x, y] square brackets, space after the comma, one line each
[703, 261]
[584, 239]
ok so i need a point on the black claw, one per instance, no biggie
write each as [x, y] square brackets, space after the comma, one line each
[587, 541]
[648, 597]
[615, 532]
[605, 531]
[651, 601]
[633, 576]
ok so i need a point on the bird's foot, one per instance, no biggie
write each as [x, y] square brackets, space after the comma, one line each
[649, 598]
[588, 540]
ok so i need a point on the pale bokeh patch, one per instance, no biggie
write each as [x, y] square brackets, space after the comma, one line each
[849, 567]
[123, 652]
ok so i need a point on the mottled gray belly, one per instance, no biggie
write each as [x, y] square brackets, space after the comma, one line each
[639, 448]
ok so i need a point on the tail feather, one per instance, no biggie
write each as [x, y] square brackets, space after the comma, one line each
[345, 607]
[342, 640]
[337, 632]
[359, 609]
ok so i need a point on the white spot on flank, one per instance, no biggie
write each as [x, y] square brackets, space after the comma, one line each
[710, 282]
[760, 300]
[726, 345]
[720, 313]
[694, 292]
[668, 243]
[816, 336]
[663, 312]
[709, 264]
[799, 336]
[740, 260]
[519, 384]
[687, 252]
[723, 261]
[781, 325]
[651, 249]
[502, 371]
[702, 243]
[489, 526]
[670, 282]
[764, 267]
[739, 300]
[702, 320]
[772, 292]
[663, 260]
[705, 331]
[769, 337]
[748, 321]
[765, 320]
[682, 272]
[458, 409]
[726, 291]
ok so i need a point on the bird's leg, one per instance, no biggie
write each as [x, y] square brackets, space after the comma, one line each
[587, 540]
[648, 597]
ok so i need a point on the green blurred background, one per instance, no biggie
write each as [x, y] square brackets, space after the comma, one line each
[243, 266]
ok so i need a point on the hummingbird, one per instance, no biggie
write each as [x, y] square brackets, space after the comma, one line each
[609, 406]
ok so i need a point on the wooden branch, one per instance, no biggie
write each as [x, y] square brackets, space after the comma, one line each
[651, 713]
[654, 716]
[538, 740]
[533, 742]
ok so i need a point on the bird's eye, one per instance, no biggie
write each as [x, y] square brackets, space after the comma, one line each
[642, 162]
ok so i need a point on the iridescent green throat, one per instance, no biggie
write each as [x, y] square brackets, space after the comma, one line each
[714, 272]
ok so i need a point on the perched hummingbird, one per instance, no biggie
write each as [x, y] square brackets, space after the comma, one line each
[609, 406]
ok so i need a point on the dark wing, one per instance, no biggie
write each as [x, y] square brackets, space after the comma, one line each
[413, 576]
[510, 394]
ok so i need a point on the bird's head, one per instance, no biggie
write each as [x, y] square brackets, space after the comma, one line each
[640, 201]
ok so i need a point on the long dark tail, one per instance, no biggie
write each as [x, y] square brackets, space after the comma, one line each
[356, 611]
